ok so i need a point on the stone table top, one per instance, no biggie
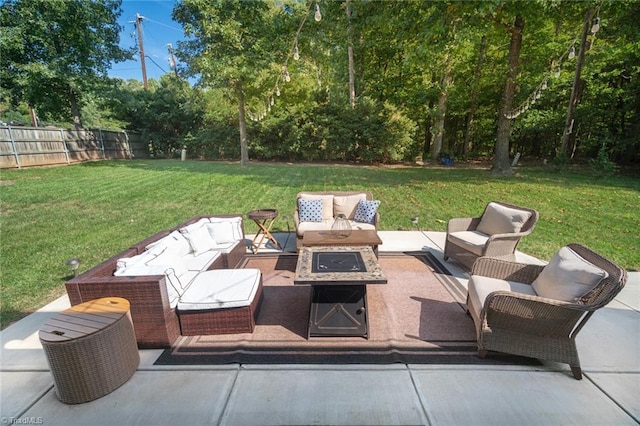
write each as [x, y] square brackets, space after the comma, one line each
[305, 275]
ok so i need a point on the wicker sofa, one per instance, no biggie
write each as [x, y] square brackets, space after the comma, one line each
[153, 308]
[332, 204]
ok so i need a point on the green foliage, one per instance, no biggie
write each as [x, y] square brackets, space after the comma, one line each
[402, 52]
[169, 114]
[370, 133]
[602, 166]
[561, 162]
[53, 52]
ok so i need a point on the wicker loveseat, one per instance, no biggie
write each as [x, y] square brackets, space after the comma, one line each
[537, 311]
[331, 204]
[153, 307]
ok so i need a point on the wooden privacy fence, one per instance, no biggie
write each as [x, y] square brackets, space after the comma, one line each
[43, 146]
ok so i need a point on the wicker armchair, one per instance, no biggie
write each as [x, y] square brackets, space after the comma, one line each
[510, 317]
[494, 234]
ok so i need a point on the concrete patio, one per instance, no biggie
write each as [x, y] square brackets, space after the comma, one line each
[397, 394]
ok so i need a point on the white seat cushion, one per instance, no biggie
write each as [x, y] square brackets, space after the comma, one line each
[221, 288]
[361, 226]
[473, 241]
[480, 287]
[202, 261]
[325, 225]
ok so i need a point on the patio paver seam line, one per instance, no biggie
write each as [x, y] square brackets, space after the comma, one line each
[611, 398]
[423, 400]
[627, 305]
[22, 413]
[225, 405]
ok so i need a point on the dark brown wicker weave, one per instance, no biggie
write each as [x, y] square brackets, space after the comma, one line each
[534, 326]
[90, 352]
[497, 245]
[222, 321]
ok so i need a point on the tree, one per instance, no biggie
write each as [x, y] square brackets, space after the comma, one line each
[54, 51]
[169, 113]
[501, 163]
[238, 45]
[573, 101]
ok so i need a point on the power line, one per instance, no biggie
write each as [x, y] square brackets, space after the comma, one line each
[164, 25]
[155, 63]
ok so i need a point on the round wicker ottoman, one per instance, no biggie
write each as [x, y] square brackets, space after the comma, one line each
[91, 349]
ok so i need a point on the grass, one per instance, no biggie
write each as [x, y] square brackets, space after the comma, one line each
[95, 210]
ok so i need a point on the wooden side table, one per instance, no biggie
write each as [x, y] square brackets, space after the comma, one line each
[91, 349]
[264, 218]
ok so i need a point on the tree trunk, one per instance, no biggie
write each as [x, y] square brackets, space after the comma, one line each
[575, 90]
[501, 163]
[426, 147]
[244, 149]
[75, 111]
[466, 147]
[352, 84]
[441, 112]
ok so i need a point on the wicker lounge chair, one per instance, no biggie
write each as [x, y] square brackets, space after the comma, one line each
[513, 312]
[494, 234]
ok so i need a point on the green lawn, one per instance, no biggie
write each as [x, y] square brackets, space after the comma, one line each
[95, 210]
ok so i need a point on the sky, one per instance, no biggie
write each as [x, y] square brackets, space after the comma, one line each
[158, 30]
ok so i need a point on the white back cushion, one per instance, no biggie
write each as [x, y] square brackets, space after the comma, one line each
[567, 277]
[499, 219]
[225, 230]
[347, 204]
[200, 239]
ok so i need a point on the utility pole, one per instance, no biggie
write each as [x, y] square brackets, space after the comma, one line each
[172, 63]
[139, 19]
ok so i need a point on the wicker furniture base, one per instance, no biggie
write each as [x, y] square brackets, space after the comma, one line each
[534, 326]
[221, 321]
[91, 349]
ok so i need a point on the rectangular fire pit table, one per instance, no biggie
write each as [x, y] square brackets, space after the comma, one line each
[339, 277]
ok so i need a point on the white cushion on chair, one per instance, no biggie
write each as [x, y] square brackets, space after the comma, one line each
[200, 239]
[347, 204]
[473, 241]
[480, 287]
[175, 242]
[499, 219]
[567, 277]
[201, 262]
[221, 288]
[225, 230]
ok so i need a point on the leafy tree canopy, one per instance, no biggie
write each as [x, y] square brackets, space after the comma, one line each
[54, 51]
